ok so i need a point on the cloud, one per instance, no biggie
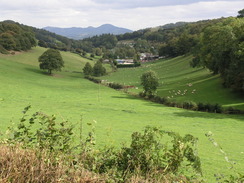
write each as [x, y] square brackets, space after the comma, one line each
[133, 14]
[124, 4]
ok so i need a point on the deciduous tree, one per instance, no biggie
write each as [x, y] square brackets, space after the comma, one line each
[98, 69]
[51, 60]
[149, 81]
[87, 70]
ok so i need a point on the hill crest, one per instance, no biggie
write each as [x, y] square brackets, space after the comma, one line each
[81, 33]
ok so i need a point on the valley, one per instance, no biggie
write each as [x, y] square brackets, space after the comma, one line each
[116, 114]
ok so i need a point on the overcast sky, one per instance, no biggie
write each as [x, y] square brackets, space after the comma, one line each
[132, 14]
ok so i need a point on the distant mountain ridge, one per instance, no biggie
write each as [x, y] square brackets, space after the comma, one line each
[81, 33]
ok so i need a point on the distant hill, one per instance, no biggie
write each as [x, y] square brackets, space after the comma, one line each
[81, 33]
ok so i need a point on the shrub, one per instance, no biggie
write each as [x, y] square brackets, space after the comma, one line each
[49, 156]
[201, 107]
[50, 135]
[116, 86]
[87, 70]
[95, 80]
[218, 108]
[149, 81]
[148, 155]
[3, 50]
[142, 94]
[151, 97]
[98, 69]
[190, 105]
[157, 99]
[231, 110]
[137, 64]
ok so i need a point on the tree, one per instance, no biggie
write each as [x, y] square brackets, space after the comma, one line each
[241, 13]
[7, 41]
[98, 69]
[149, 81]
[51, 60]
[221, 50]
[87, 70]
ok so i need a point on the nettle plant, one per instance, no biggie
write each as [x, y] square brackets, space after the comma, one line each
[161, 152]
[43, 132]
[152, 154]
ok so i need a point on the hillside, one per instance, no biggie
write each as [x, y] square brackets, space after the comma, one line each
[180, 82]
[81, 33]
[115, 114]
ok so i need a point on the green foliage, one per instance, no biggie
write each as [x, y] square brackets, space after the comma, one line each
[42, 43]
[241, 13]
[87, 70]
[149, 81]
[49, 135]
[51, 40]
[147, 153]
[148, 156]
[116, 86]
[14, 36]
[153, 154]
[93, 79]
[135, 64]
[98, 69]
[70, 95]
[108, 41]
[190, 105]
[221, 51]
[51, 60]
[3, 50]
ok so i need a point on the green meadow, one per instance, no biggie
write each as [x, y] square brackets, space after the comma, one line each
[179, 82]
[115, 114]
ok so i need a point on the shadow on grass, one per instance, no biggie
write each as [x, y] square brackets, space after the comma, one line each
[196, 114]
[188, 73]
[77, 76]
[38, 71]
[127, 97]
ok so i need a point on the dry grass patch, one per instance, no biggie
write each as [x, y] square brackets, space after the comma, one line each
[26, 165]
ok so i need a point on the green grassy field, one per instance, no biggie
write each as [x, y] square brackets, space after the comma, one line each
[115, 114]
[180, 82]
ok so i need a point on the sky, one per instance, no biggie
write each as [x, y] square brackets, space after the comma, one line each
[131, 14]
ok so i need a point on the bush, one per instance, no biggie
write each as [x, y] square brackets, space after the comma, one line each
[3, 50]
[142, 94]
[218, 108]
[98, 69]
[49, 156]
[138, 64]
[201, 106]
[48, 134]
[231, 110]
[190, 105]
[116, 86]
[148, 155]
[95, 80]
[157, 99]
[151, 97]
[87, 69]
[149, 81]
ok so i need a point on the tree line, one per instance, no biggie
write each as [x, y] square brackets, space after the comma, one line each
[221, 50]
[216, 44]
[15, 37]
